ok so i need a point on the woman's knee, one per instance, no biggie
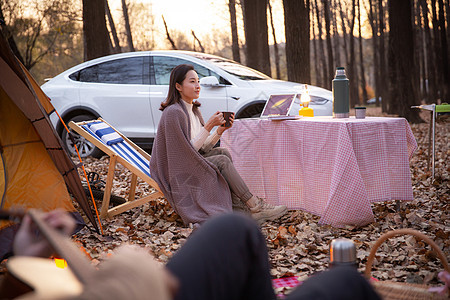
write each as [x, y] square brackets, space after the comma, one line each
[224, 151]
[220, 160]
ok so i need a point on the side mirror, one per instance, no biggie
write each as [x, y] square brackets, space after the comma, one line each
[210, 81]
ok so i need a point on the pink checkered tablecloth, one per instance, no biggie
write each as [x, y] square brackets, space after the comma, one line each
[334, 168]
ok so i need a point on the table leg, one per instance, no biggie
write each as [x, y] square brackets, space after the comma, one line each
[434, 135]
[430, 130]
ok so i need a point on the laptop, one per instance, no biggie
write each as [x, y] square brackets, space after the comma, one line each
[278, 107]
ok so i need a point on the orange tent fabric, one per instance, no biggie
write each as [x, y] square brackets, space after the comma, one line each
[35, 170]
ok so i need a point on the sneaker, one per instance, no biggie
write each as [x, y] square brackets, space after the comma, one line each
[264, 211]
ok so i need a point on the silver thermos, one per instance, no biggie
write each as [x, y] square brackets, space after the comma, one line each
[342, 253]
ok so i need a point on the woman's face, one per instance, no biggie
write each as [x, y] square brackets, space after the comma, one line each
[190, 87]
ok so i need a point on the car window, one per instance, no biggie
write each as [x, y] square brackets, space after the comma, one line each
[163, 65]
[232, 67]
[118, 71]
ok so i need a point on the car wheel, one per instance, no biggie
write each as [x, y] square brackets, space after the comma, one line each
[253, 111]
[85, 148]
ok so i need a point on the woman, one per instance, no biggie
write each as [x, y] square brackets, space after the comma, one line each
[195, 178]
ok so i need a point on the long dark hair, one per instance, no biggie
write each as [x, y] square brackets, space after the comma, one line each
[177, 75]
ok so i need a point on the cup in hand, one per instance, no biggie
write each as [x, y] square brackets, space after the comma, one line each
[227, 117]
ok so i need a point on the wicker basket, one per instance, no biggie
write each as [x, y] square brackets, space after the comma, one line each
[397, 290]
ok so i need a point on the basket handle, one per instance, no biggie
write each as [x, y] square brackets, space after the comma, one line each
[405, 231]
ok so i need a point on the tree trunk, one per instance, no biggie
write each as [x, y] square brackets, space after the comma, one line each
[445, 68]
[316, 59]
[296, 22]
[321, 48]
[400, 56]
[429, 54]
[420, 52]
[9, 37]
[447, 13]
[202, 49]
[234, 31]
[376, 57]
[344, 33]
[94, 28]
[353, 75]
[383, 72]
[127, 26]
[174, 47]
[275, 44]
[256, 35]
[336, 39]
[330, 74]
[116, 47]
[361, 55]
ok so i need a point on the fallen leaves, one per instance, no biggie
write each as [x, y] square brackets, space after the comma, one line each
[297, 244]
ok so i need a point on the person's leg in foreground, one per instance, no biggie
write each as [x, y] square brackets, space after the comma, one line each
[226, 258]
[261, 211]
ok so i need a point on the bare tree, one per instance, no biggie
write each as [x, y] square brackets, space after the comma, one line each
[361, 55]
[336, 39]
[316, 59]
[445, 68]
[429, 53]
[400, 55]
[344, 32]
[202, 49]
[296, 22]
[116, 47]
[321, 46]
[168, 35]
[9, 36]
[33, 36]
[127, 26]
[234, 31]
[382, 52]
[353, 74]
[256, 35]
[420, 53]
[94, 27]
[376, 59]
[330, 73]
[275, 44]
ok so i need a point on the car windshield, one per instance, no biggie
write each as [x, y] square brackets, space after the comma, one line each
[234, 68]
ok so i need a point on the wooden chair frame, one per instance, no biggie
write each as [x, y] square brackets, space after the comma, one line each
[115, 158]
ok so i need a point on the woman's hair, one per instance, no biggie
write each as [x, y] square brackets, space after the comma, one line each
[177, 75]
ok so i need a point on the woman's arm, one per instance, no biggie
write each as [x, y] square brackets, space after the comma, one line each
[210, 141]
[203, 138]
[199, 140]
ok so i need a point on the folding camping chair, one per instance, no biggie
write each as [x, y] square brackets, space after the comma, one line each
[120, 150]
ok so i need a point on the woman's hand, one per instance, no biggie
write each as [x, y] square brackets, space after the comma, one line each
[215, 120]
[221, 129]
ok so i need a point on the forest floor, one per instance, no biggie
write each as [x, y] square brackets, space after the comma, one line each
[298, 245]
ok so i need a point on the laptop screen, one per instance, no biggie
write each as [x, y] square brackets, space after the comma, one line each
[278, 105]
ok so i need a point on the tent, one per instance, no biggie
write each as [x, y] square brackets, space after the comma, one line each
[35, 170]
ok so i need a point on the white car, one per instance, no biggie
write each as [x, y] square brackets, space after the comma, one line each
[127, 89]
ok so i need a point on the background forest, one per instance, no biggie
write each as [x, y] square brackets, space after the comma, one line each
[396, 51]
